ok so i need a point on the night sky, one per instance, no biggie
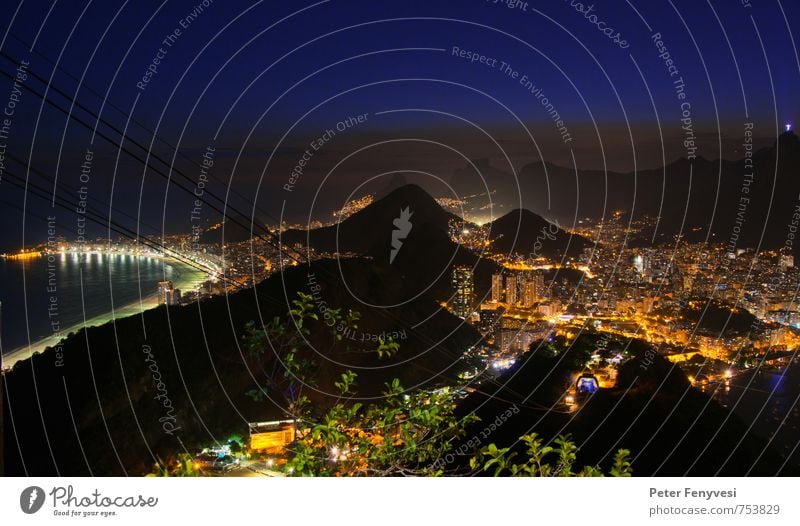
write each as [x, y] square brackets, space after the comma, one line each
[259, 82]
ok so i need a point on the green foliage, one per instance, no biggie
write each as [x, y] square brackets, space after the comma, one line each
[497, 459]
[303, 309]
[544, 461]
[183, 466]
[236, 444]
[347, 382]
[387, 348]
[279, 344]
[622, 464]
[405, 433]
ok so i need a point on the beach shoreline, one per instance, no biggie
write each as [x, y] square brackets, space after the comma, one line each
[192, 280]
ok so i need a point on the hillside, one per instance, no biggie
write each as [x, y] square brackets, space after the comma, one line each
[523, 232]
[670, 428]
[99, 413]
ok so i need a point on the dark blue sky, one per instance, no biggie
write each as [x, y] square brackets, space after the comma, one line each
[228, 80]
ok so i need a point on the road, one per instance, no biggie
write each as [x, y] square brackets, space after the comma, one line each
[252, 468]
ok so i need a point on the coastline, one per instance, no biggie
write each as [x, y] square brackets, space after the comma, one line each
[188, 279]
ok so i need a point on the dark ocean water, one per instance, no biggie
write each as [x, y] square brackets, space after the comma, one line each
[771, 402]
[84, 287]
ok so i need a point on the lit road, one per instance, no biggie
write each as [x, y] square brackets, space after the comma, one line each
[251, 468]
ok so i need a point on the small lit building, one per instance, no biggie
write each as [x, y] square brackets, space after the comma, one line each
[586, 384]
[165, 292]
[271, 437]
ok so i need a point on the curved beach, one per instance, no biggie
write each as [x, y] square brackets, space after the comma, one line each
[188, 279]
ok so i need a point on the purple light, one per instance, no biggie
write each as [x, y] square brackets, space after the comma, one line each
[788, 127]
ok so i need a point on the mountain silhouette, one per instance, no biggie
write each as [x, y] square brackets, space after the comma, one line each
[369, 231]
[524, 232]
[426, 255]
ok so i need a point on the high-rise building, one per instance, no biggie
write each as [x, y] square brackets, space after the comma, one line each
[515, 340]
[539, 286]
[497, 287]
[529, 296]
[511, 290]
[490, 317]
[787, 262]
[464, 290]
[173, 297]
[165, 292]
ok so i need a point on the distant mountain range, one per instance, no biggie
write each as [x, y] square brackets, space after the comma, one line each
[427, 254]
[754, 197]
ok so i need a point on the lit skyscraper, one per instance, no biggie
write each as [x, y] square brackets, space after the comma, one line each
[539, 287]
[464, 289]
[511, 290]
[489, 320]
[529, 295]
[497, 287]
